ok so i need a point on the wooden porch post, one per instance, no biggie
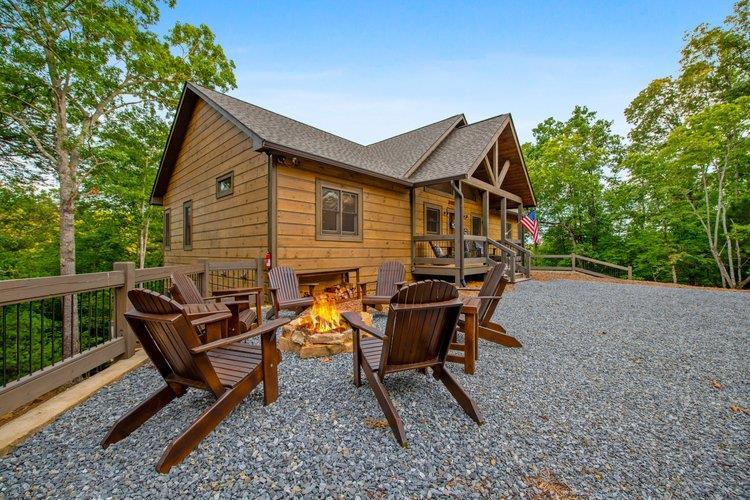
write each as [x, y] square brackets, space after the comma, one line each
[486, 212]
[503, 218]
[521, 232]
[486, 222]
[459, 232]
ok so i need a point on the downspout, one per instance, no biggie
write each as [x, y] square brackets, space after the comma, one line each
[456, 187]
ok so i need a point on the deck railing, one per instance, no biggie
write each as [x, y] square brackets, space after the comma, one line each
[582, 264]
[56, 329]
[428, 247]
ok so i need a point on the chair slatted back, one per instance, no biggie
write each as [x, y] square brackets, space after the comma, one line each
[494, 285]
[183, 289]
[167, 337]
[422, 318]
[284, 279]
[390, 272]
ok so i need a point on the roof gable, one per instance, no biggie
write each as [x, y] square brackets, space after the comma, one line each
[460, 152]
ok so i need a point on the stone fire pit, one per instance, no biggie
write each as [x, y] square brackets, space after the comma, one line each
[299, 335]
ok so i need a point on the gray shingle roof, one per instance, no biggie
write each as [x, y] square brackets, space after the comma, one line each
[459, 151]
[394, 157]
[405, 150]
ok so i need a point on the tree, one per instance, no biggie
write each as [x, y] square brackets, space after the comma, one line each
[121, 183]
[570, 165]
[68, 67]
[689, 151]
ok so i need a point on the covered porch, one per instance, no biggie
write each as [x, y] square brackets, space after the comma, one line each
[477, 213]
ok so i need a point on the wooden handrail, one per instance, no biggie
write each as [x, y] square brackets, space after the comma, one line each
[24, 290]
[502, 247]
[601, 262]
[434, 237]
[157, 273]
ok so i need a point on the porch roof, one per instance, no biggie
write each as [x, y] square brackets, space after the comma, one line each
[440, 151]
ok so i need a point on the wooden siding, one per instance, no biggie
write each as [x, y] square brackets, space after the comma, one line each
[234, 226]
[386, 222]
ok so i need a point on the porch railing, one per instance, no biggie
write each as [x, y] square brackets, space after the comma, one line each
[434, 250]
[56, 329]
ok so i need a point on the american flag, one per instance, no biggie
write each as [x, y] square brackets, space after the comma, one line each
[529, 222]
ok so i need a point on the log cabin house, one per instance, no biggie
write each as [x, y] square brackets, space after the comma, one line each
[237, 180]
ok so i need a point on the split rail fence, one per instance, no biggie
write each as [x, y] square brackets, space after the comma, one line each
[581, 264]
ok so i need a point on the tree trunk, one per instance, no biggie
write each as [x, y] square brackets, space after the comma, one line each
[143, 242]
[68, 196]
[674, 274]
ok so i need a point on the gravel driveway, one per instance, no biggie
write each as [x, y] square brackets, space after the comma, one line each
[613, 394]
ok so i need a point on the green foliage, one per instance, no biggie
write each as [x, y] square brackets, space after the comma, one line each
[73, 71]
[28, 233]
[570, 164]
[675, 203]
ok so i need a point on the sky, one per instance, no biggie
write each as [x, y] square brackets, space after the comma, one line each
[367, 70]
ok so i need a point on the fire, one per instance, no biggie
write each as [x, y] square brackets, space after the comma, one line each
[324, 315]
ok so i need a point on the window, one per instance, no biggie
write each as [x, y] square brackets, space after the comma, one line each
[167, 230]
[187, 225]
[225, 185]
[476, 226]
[431, 219]
[338, 212]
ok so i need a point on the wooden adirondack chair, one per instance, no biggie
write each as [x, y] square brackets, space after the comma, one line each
[246, 312]
[422, 318]
[284, 287]
[227, 368]
[490, 295]
[390, 279]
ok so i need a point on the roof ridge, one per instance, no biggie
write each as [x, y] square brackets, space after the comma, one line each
[485, 120]
[414, 130]
[279, 114]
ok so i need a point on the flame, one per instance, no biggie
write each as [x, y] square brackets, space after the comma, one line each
[324, 315]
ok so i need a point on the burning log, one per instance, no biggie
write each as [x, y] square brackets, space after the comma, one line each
[320, 331]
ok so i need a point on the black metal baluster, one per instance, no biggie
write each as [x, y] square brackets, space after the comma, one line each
[96, 317]
[5, 346]
[18, 342]
[31, 337]
[52, 331]
[42, 337]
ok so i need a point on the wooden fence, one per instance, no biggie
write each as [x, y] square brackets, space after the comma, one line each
[581, 264]
[37, 356]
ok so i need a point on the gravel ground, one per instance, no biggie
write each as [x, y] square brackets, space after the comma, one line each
[613, 394]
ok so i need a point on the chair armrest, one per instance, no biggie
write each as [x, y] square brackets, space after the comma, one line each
[355, 320]
[240, 292]
[469, 289]
[489, 296]
[236, 291]
[212, 318]
[267, 327]
[400, 284]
